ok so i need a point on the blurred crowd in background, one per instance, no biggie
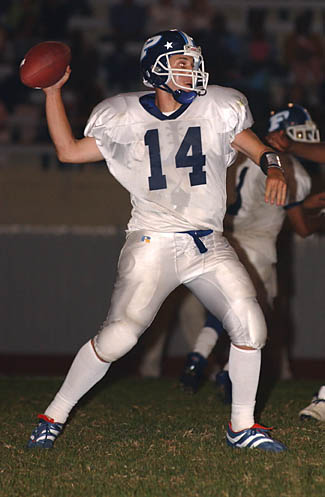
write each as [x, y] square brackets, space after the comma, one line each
[273, 55]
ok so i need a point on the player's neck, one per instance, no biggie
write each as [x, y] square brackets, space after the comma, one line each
[165, 101]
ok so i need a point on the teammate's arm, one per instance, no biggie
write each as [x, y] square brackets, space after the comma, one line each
[305, 218]
[68, 148]
[311, 151]
[250, 145]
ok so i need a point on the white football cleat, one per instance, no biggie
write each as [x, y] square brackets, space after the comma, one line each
[315, 410]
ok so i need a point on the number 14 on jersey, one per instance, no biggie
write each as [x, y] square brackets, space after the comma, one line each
[189, 154]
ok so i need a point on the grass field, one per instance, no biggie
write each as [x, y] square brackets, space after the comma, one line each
[145, 438]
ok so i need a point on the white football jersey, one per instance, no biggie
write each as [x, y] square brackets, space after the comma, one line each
[255, 223]
[174, 166]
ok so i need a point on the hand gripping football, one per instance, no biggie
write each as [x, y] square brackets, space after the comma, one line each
[45, 64]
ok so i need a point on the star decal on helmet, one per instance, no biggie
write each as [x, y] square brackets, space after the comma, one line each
[168, 45]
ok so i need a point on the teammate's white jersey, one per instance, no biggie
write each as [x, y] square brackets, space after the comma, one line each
[173, 166]
[256, 224]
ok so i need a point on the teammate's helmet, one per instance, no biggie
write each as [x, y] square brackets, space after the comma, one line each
[297, 123]
[155, 64]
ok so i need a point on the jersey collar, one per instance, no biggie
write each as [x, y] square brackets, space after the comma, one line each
[148, 103]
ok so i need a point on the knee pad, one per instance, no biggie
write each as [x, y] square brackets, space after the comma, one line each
[116, 339]
[245, 324]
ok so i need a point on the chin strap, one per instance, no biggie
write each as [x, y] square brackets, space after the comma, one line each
[181, 96]
[184, 97]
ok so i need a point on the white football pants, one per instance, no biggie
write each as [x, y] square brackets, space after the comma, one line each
[152, 265]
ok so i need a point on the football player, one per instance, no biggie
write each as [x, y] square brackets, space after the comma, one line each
[312, 150]
[252, 228]
[170, 148]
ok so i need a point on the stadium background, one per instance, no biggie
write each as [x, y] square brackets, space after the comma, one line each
[61, 226]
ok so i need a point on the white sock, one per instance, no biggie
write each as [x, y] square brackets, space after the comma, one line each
[205, 341]
[85, 371]
[244, 371]
[321, 393]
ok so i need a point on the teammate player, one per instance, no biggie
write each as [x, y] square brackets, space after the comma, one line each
[314, 152]
[171, 148]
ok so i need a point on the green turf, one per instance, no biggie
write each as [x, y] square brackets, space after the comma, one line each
[145, 438]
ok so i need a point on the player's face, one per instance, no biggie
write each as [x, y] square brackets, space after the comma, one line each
[182, 62]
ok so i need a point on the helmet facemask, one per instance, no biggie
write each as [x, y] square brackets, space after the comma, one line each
[306, 133]
[199, 77]
[296, 122]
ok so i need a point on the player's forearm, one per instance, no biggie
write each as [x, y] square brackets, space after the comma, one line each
[59, 127]
[250, 145]
[311, 151]
[303, 222]
[314, 224]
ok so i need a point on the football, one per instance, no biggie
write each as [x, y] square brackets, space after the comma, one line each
[44, 64]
